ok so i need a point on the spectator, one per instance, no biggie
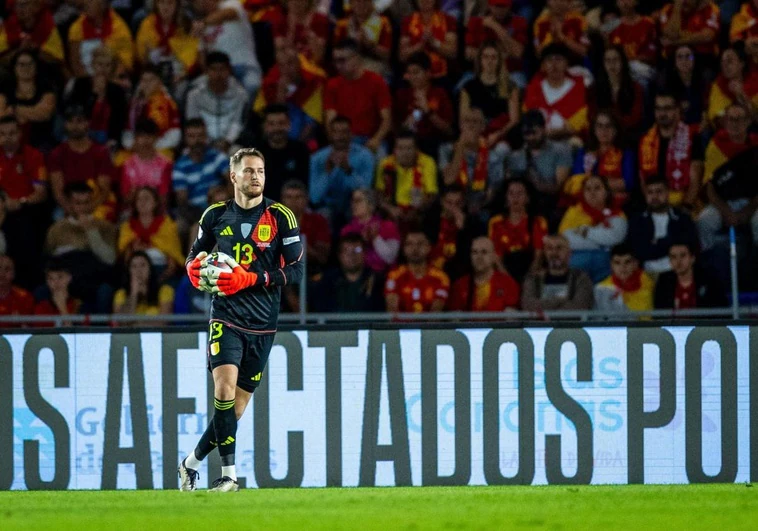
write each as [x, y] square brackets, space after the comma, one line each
[372, 32]
[559, 23]
[287, 159]
[616, 90]
[432, 31]
[493, 93]
[14, 300]
[23, 179]
[79, 159]
[352, 287]
[31, 100]
[672, 149]
[685, 80]
[605, 157]
[103, 99]
[145, 167]
[303, 29]
[381, 238]
[486, 289]
[592, 227]
[694, 22]
[423, 108]
[58, 299]
[313, 226]
[508, 31]
[687, 285]
[85, 245]
[151, 231]
[546, 164]
[164, 41]
[652, 232]
[98, 25]
[730, 183]
[224, 27]
[337, 170]
[197, 171]
[299, 85]
[628, 288]
[141, 293]
[471, 164]
[219, 100]
[3, 216]
[30, 26]
[450, 230]
[560, 96]
[735, 84]
[407, 180]
[371, 114]
[153, 102]
[557, 286]
[744, 27]
[518, 232]
[416, 287]
[637, 35]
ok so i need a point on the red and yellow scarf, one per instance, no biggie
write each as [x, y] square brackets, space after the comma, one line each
[678, 156]
[479, 180]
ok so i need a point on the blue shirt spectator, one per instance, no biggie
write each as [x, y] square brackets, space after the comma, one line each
[199, 169]
[337, 170]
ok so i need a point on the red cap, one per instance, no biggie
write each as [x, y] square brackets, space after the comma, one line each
[501, 3]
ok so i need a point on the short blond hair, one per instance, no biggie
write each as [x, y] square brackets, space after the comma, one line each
[235, 159]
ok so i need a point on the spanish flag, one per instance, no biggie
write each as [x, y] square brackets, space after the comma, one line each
[570, 108]
[114, 34]
[44, 35]
[721, 149]
[308, 96]
[173, 41]
[721, 96]
[744, 23]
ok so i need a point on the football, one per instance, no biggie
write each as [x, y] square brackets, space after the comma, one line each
[211, 266]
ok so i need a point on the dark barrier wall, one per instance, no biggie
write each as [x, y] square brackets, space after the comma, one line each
[390, 407]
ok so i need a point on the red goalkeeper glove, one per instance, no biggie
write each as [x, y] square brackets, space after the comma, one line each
[193, 269]
[229, 283]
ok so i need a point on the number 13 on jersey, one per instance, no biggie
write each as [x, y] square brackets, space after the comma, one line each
[243, 253]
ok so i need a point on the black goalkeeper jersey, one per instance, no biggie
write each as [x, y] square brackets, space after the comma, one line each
[265, 238]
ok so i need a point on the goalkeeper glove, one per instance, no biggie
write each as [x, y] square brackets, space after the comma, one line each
[229, 283]
[193, 269]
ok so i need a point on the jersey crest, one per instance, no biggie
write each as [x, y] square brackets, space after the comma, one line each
[264, 232]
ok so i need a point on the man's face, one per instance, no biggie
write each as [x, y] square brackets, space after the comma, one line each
[81, 204]
[218, 75]
[657, 197]
[626, 6]
[93, 8]
[452, 202]
[288, 62]
[555, 66]
[416, 248]
[195, 138]
[295, 199]
[736, 122]
[666, 112]
[624, 266]
[249, 177]
[7, 271]
[58, 280]
[473, 122]
[557, 253]
[26, 11]
[362, 8]
[150, 83]
[340, 135]
[276, 127]
[77, 127]
[346, 62]
[351, 257]
[416, 76]
[559, 7]
[10, 137]
[682, 260]
[144, 142]
[405, 152]
[482, 255]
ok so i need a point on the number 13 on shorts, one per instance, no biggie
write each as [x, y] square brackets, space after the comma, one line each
[216, 331]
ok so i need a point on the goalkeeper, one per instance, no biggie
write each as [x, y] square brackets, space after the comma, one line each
[262, 241]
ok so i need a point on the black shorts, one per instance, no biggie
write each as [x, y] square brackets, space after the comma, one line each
[228, 345]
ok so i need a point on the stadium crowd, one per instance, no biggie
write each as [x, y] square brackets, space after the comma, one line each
[478, 155]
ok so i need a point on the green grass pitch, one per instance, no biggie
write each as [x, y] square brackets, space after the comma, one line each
[712, 507]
